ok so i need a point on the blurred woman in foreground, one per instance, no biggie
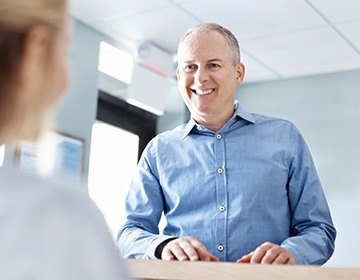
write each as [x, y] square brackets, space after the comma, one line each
[47, 231]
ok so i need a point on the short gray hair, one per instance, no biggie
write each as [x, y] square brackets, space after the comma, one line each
[231, 41]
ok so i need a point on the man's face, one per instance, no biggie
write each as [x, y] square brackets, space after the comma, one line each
[207, 77]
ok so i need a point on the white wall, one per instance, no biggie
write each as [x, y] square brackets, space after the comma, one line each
[174, 109]
[326, 109]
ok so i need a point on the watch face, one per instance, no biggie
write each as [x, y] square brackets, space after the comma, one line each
[143, 49]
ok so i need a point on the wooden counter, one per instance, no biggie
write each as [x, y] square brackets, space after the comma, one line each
[157, 269]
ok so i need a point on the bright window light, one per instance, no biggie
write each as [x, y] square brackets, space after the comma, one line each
[113, 160]
[115, 62]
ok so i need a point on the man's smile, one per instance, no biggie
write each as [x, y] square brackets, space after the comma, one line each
[202, 91]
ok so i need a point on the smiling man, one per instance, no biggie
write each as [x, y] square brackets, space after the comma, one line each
[233, 186]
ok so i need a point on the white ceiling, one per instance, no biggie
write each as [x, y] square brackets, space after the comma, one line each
[278, 38]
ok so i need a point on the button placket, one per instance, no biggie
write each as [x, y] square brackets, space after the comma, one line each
[221, 185]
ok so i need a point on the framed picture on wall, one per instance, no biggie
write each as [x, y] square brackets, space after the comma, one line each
[56, 155]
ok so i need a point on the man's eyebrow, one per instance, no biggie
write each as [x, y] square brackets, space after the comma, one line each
[215, 60]
[210, 60]
[188, 61]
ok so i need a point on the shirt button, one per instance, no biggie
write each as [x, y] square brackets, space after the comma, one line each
[220, 248]
[220, 170]
[218, 136]
[222, 208]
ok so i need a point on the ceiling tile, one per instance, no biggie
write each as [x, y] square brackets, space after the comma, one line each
[254, 71]
[351, 31]
[280, 38]
[89, 11]
[309, 52]
[338, 10]
[248, 19]
[182, 1]
[163, 27]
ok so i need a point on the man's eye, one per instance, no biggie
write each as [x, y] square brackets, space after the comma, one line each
[189, 68]
[214, 65]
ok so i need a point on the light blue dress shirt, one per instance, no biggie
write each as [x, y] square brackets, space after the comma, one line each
[250, 182]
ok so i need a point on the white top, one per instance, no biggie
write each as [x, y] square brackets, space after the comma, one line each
[50, 231]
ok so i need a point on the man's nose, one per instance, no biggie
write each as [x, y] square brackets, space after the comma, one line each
[201, 75]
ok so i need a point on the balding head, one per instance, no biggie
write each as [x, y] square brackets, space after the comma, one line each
[231, 41]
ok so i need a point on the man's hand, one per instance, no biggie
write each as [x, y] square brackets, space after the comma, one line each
[186, 249]
[268, 253]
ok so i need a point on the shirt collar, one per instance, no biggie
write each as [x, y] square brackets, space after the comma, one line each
[239, 111]
[242, 113]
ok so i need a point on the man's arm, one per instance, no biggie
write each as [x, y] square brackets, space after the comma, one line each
[139, 237]
[312, 233]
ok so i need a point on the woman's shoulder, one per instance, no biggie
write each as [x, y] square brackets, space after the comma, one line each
[45, 223]
[29, 192]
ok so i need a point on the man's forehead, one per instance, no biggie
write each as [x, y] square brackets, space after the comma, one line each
[205, 44]
[201, 40]
[200, 35]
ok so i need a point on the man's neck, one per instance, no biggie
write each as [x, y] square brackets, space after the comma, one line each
[216, 122]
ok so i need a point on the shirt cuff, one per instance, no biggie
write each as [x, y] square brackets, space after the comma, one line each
[294, 252]
[150, 250]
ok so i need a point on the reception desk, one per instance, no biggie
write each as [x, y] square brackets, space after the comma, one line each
[157, 269]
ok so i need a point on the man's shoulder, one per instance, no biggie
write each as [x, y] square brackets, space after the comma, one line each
[271, 121]
[171, 135]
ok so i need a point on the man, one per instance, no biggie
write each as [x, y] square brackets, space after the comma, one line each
[233, 186]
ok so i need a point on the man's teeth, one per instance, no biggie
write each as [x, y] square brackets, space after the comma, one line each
[204, 92]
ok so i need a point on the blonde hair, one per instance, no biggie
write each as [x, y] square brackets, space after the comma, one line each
[231, 41]
[20, 15]
[17, 18]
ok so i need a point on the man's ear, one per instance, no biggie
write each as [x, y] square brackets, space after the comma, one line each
[177, 73]
[240, 70]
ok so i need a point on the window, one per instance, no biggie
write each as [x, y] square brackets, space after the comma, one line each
[113, 159]
[115, 62]
[119, 136]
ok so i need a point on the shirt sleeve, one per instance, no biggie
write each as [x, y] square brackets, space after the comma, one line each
[139, 237]
[312, 234]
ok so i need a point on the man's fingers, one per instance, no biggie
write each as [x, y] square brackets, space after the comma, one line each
[268, 253]
[273, 253]
[178, 252]
[282, 258]
[189, 250]
[245, 258]
[213, 258]
[259, 253]
[186, 248]
[167, 255]
[203, 253]
[291, 260]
